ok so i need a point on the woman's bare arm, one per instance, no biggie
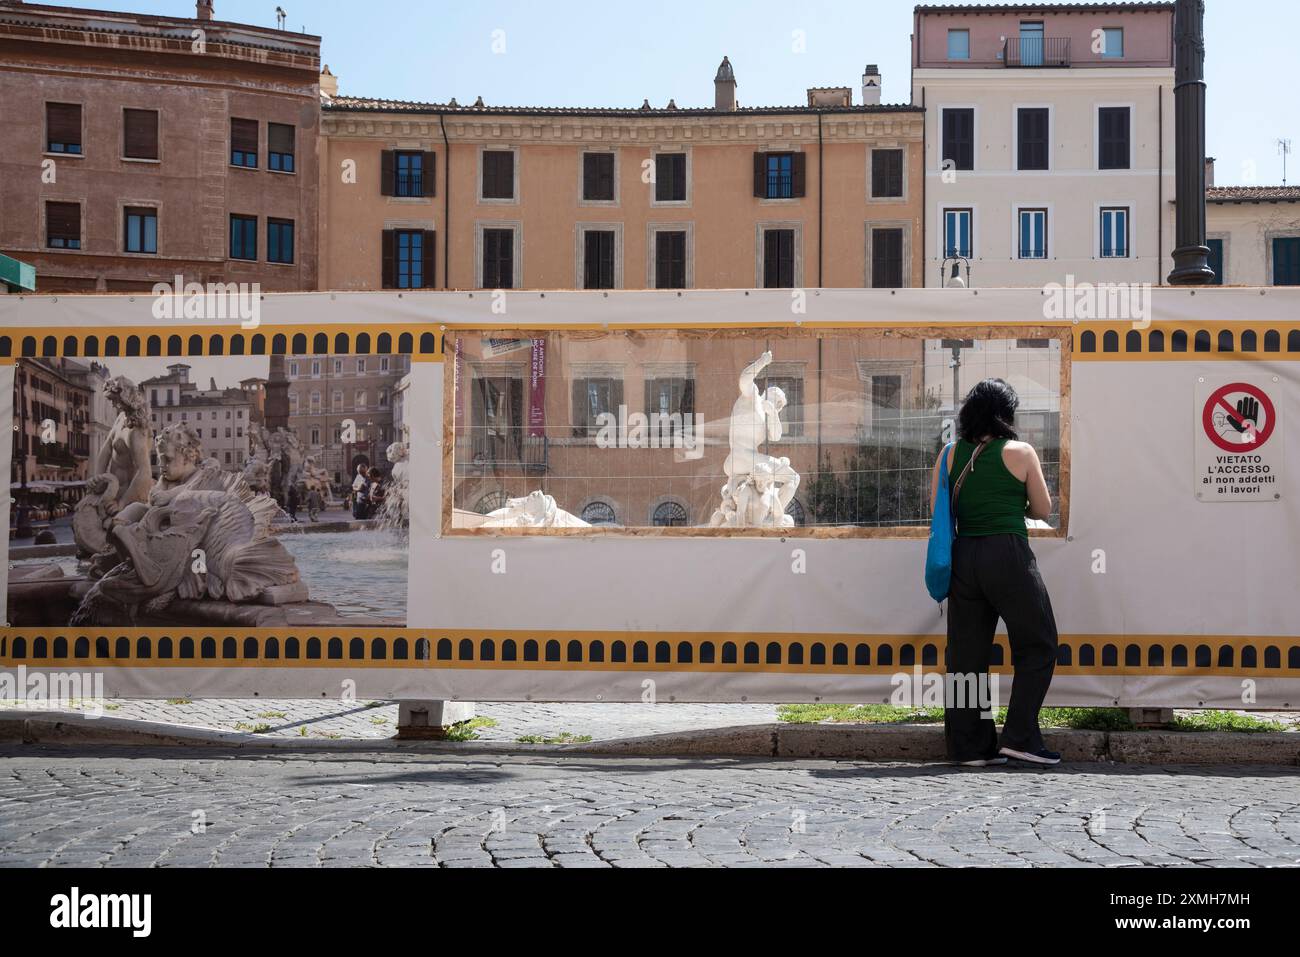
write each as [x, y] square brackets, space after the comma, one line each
[943, 460]
[1022, 461]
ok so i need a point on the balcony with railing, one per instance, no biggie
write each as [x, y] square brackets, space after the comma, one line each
[1036, 51]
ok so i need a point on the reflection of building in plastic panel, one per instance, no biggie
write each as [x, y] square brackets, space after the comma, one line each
[858, 426]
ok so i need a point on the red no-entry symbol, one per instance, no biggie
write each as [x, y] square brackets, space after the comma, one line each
[1246, 417]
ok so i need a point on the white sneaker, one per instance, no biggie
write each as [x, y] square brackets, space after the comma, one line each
[1043, 757]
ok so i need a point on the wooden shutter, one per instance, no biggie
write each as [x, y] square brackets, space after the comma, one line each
[886, 259]
[607, 187]
[670, 177]
[1033, 139]
[140, 134]
[959, 137]
[63, 123]
[243, 136]
[429, 267]
[498, 174]
[498, 258]
[280, 138]
[429, 174]
[1113, 128]
[886, 173]
[389, 259]
[760, 175]
[799, 174]
[63, 220]
[771, 259]
[388, 173]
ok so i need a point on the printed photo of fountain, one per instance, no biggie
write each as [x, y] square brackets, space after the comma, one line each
[274, 496]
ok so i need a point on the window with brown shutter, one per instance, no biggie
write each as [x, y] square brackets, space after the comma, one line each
[598, 177]
[1032, 138]
[959, 137]
[408, 258]
[243, 143]
[63, 128]
[670, 260]
[778, 259]
[1113, 128]
[63, 225]
[780, 175]
[670, 178]
[598, 259]
[280, 147]
[140, 134]
[886, 174]
[498, 174]
[498, 259]
[887, 258]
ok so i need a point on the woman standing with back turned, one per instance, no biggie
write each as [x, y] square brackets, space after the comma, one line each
[995, 575]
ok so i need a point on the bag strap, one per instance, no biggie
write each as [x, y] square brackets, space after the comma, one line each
[961, 479]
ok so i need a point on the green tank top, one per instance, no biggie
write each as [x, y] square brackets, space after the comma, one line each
[993, 501]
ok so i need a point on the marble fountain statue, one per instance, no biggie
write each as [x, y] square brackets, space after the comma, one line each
[395, 513]
[537, 510]
[122, 475]
[194, 547]
[759, 486]
[203, 536]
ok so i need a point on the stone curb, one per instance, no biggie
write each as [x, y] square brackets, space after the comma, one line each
[886, 743]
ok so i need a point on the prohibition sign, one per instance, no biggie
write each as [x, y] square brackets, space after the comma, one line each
[1253, 435]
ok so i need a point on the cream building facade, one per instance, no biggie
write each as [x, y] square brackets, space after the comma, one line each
[1049, 141]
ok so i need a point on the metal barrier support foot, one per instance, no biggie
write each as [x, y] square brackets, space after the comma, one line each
[431, 720]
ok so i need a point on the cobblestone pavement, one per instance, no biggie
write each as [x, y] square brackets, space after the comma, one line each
[125, 807]
[373, 720]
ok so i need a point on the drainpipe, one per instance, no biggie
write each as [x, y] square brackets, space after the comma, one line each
[446, 203]
[1191, 255]
[925, 183]
[1160, 187]
[821, 188]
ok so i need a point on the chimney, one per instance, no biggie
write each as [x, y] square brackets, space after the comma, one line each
[871, 85]
[204, 10]
[329, 83]
[724, 88]
[1209, 171]
[830, 96]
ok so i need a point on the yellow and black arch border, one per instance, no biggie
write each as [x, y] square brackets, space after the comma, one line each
[1230, 340]
[275, 649]
[421, 341]
[1194, 341]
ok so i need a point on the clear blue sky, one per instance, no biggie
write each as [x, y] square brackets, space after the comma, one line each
[620, 52]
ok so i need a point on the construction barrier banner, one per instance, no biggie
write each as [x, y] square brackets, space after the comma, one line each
[705, 496]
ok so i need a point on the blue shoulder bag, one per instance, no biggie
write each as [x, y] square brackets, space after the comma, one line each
[943, 529]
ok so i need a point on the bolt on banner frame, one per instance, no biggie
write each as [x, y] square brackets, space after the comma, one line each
[1162, 600]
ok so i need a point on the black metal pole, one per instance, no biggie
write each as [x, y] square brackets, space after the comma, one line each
[1191, 255]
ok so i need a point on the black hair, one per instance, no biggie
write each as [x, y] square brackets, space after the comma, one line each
[989, 410]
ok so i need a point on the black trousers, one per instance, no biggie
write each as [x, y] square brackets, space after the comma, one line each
[997, 577]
